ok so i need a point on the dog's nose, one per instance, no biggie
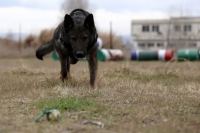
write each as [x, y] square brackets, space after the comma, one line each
[80, 54]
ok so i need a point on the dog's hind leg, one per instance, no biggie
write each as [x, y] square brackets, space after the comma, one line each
[92, 60]
[44, 49]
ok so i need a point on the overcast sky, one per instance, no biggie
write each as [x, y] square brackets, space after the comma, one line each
[34, 15]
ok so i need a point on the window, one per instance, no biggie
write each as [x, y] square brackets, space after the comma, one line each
[188, 28]
[160, 45]
[177, 28]
[145, 28]
[192, 45]
[150, 45]
[142, 45]
[155, 28]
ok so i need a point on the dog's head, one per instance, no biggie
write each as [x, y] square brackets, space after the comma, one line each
[81, 34]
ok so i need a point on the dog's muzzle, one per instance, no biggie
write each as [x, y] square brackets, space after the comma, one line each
[80, 54]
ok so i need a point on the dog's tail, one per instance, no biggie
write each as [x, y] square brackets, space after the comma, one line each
[44, 50]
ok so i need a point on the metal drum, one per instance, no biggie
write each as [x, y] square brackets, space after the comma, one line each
[110, 54]
[144, 55]
[54, 55]
[188, 54]
[165, 55]
[103, 55]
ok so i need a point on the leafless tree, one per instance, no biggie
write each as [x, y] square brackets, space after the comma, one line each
[69, 5]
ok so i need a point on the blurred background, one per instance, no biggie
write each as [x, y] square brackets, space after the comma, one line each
[121, 24]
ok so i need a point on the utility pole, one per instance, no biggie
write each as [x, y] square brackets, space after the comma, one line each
[111, 36]
[20, 39]
[169, 33]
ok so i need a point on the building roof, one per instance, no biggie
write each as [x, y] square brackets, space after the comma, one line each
[184, 19]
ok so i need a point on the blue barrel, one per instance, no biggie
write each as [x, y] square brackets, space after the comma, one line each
[134, 55]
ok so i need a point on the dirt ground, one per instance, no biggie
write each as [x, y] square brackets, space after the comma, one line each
[131, 97]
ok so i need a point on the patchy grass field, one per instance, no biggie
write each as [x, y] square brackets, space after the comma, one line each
[140, 97]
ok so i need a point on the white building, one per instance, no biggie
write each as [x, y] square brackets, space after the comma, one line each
[180, 32]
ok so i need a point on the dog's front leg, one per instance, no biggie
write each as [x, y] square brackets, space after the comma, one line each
[64, 68]
[68, 67]
[92, 60]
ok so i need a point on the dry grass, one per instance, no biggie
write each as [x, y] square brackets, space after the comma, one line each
[142, 97]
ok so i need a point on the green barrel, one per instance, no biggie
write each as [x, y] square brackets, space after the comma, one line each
[188, 54]
[148, 55]
[103, 55]
[54, 56]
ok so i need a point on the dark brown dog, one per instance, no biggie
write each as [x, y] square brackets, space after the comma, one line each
[75, 38]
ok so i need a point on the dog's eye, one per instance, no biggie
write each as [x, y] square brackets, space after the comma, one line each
[84, 38]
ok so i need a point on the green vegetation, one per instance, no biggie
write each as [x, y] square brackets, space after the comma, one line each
[68, 104]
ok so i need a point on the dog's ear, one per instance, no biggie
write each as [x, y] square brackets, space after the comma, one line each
[68, 22]
[89, 22]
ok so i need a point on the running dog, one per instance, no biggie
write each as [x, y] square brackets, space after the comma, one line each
[74, 39]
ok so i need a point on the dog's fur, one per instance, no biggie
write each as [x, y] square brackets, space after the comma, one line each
[73, 39]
